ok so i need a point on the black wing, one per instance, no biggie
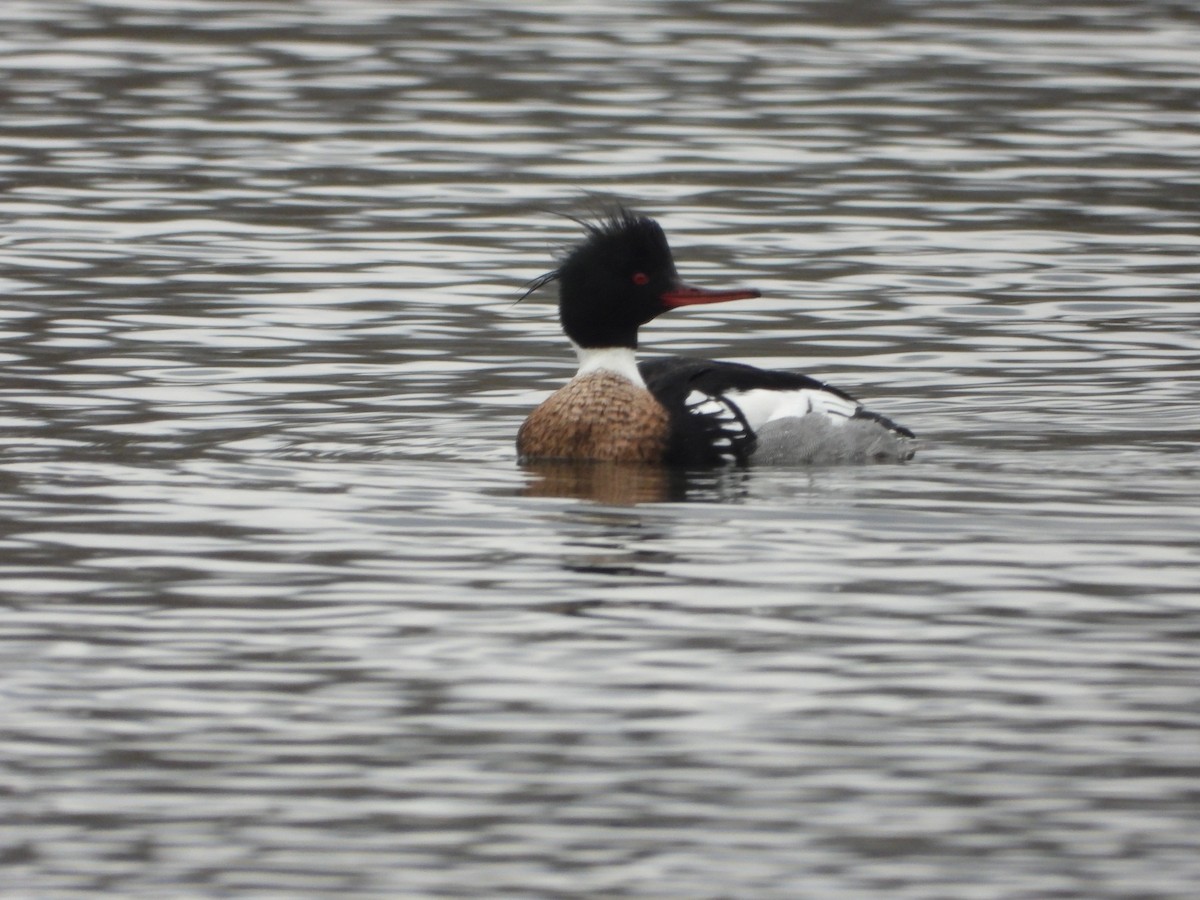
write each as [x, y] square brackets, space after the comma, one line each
[709, 429]
[706, 429]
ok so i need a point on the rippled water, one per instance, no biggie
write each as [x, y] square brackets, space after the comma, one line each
[283, 616]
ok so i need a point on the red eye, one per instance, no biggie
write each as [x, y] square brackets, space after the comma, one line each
[641, 278]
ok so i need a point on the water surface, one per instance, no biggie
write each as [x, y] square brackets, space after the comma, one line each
[284, 618]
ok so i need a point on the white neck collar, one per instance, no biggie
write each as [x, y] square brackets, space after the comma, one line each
[612, 359]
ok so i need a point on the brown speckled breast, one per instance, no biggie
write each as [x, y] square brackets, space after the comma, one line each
[600, 415]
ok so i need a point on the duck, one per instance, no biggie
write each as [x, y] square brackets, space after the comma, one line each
[679, 411]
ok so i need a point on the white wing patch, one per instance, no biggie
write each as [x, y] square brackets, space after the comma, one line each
[762, 405]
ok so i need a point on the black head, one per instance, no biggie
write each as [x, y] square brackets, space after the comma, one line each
[618, 279]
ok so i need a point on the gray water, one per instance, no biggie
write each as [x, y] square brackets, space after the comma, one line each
[284, 618]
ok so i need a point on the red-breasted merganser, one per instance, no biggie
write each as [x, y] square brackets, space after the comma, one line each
[679, 411]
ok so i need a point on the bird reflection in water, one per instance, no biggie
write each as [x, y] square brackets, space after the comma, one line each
[628, 484]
